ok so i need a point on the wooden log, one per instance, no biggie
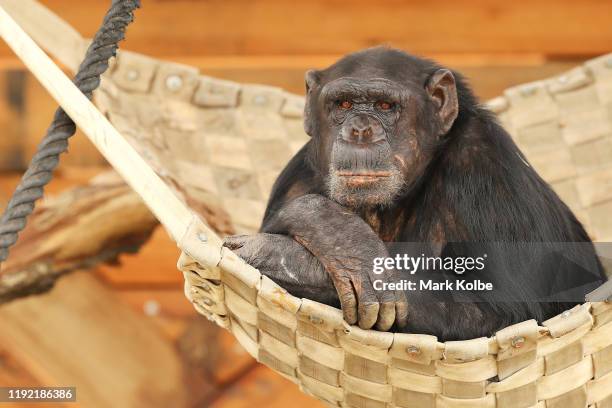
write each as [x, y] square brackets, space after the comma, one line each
[82, 227]
[81, 335]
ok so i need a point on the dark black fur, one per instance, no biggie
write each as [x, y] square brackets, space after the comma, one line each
[477, 187]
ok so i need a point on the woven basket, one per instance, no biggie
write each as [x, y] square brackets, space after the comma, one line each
[219, 145]
[564, 125]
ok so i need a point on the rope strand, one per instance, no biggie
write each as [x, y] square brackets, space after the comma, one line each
[40, 171]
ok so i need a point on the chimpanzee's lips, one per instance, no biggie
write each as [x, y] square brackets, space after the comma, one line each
[362, 179]
[368, 174]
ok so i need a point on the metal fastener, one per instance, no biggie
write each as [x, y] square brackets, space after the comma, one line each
[518, 342]
[202, 237]
[174, 82]
[566, 314]
[413, 350]
[132, 75]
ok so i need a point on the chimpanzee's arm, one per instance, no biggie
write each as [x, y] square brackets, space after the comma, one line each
[287, 263]
[346, 246]
[334, 242]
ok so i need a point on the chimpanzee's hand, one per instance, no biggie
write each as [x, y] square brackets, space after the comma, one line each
[287, 263]
[350, 266]
[346, 246]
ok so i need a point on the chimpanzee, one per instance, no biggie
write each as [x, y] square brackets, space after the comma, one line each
[401, 151]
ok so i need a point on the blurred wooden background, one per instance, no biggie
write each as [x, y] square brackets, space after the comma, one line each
[496, 44]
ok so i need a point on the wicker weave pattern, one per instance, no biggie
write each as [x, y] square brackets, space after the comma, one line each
[210, 139]
[219, 143]
[566, 363]
[564, 127]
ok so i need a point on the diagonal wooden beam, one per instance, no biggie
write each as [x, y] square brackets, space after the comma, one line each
[48, 30]
[176, 217]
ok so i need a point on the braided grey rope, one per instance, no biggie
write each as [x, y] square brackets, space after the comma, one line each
[39, 173]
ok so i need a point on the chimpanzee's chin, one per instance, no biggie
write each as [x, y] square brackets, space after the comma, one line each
[358, 189]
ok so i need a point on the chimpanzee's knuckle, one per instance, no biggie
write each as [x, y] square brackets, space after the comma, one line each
[368, 297]
[386, 296]
[347, 298]
[368, 314]
[386, 316]
[348, 303]
[400, 297]
[401, 314]
[234, 241]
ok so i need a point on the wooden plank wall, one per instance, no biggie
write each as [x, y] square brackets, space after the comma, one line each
[496, 43]
[300, 27]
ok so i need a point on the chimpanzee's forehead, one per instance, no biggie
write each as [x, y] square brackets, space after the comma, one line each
[380, 62]
[363, 87]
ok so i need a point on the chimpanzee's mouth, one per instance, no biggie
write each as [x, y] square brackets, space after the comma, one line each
[365, 174]
[364, 185]
[361, 179]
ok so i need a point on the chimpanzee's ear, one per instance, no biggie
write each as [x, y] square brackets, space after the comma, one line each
[443, 91]
[312, 81]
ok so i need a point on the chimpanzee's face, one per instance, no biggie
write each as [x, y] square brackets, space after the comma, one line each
[373, 134]
[360, 126]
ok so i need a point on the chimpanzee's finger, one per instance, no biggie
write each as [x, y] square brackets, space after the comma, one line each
[386, 316]
[235, 241]
[368, 314]
[369, 305]
[387, 299]
[399, 298]
[348, 300]
[401, 309]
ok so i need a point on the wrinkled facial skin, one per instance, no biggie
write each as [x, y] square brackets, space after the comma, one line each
[367, 138]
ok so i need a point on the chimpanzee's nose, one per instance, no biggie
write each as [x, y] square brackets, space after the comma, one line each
[362, 129]
[361, 133]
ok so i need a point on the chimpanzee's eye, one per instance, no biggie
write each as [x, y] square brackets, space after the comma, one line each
[345, 104]
[382, 105]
